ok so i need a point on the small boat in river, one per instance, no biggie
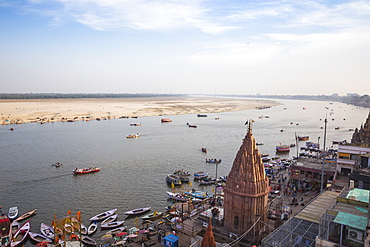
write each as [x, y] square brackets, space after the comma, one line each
[21, 234]
[85, 170]
[216, 161]
[152, 216]
[110, 219]
[39, 237]
[92, 228]
[200, 175]
[173, 179]
[282, 148]
[177, 196]
[113, 224]
[303, 138]
[88, 241]
[103, 215]
[166, 120]
[26, 215]
[13, 213]
[47, 230]
[138, 211]
[133, 136]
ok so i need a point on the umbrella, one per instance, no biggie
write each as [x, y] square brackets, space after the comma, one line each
[132, 236]
[121, 233]
[133, 229]
[143, 231]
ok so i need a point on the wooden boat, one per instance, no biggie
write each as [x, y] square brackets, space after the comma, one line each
[14, 226]
[207, 181]
[39, 237]
[92, 228]
[83, 229]
[117, 230]
[216, 161]
[204, 150]
[21, 234]
[6, 230]
[200, 175]
[133, 136]
[138, 211]
[26, 215]
[152, 216]
[47, 230]
[202, 115]
[86, 170]
[191, 125]
[166, 120]
[282, 148]
[110, 219]
[135, 124]
[103, 215]
[177, 196]
[181, 173]
[88, 241]
[13, 213]
[113, 224]
[173, 179]
[303, 138]
[197, 194]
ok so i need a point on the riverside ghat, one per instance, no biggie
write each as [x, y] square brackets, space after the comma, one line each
[64, 172]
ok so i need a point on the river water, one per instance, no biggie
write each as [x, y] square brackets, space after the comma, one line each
[133, 171]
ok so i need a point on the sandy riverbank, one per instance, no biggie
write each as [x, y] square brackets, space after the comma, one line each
[45, 110]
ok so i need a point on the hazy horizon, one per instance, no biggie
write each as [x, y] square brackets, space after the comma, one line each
[185, 47]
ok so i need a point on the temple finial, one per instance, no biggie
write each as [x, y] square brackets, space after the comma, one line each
[249, 123]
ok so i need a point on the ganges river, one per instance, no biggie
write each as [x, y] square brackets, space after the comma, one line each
[133, 171]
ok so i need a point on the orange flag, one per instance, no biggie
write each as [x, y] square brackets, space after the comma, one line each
[69, 212]
[78, 215]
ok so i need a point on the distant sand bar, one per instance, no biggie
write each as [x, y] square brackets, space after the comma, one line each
[46, 110]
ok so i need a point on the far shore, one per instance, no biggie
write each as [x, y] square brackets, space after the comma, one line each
[51, 110]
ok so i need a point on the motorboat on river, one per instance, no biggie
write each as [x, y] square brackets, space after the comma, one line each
[85, 170]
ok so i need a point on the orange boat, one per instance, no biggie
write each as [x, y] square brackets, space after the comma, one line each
[166, 120]
[303, 138]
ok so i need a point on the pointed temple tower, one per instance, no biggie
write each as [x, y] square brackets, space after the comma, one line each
[362, 135]
[246, 191]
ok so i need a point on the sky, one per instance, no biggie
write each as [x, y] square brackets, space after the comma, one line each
[244, 47]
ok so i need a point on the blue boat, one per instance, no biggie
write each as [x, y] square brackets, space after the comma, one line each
[200, 175]
[197, 194]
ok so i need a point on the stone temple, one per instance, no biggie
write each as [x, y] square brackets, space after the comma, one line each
[246, 192]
